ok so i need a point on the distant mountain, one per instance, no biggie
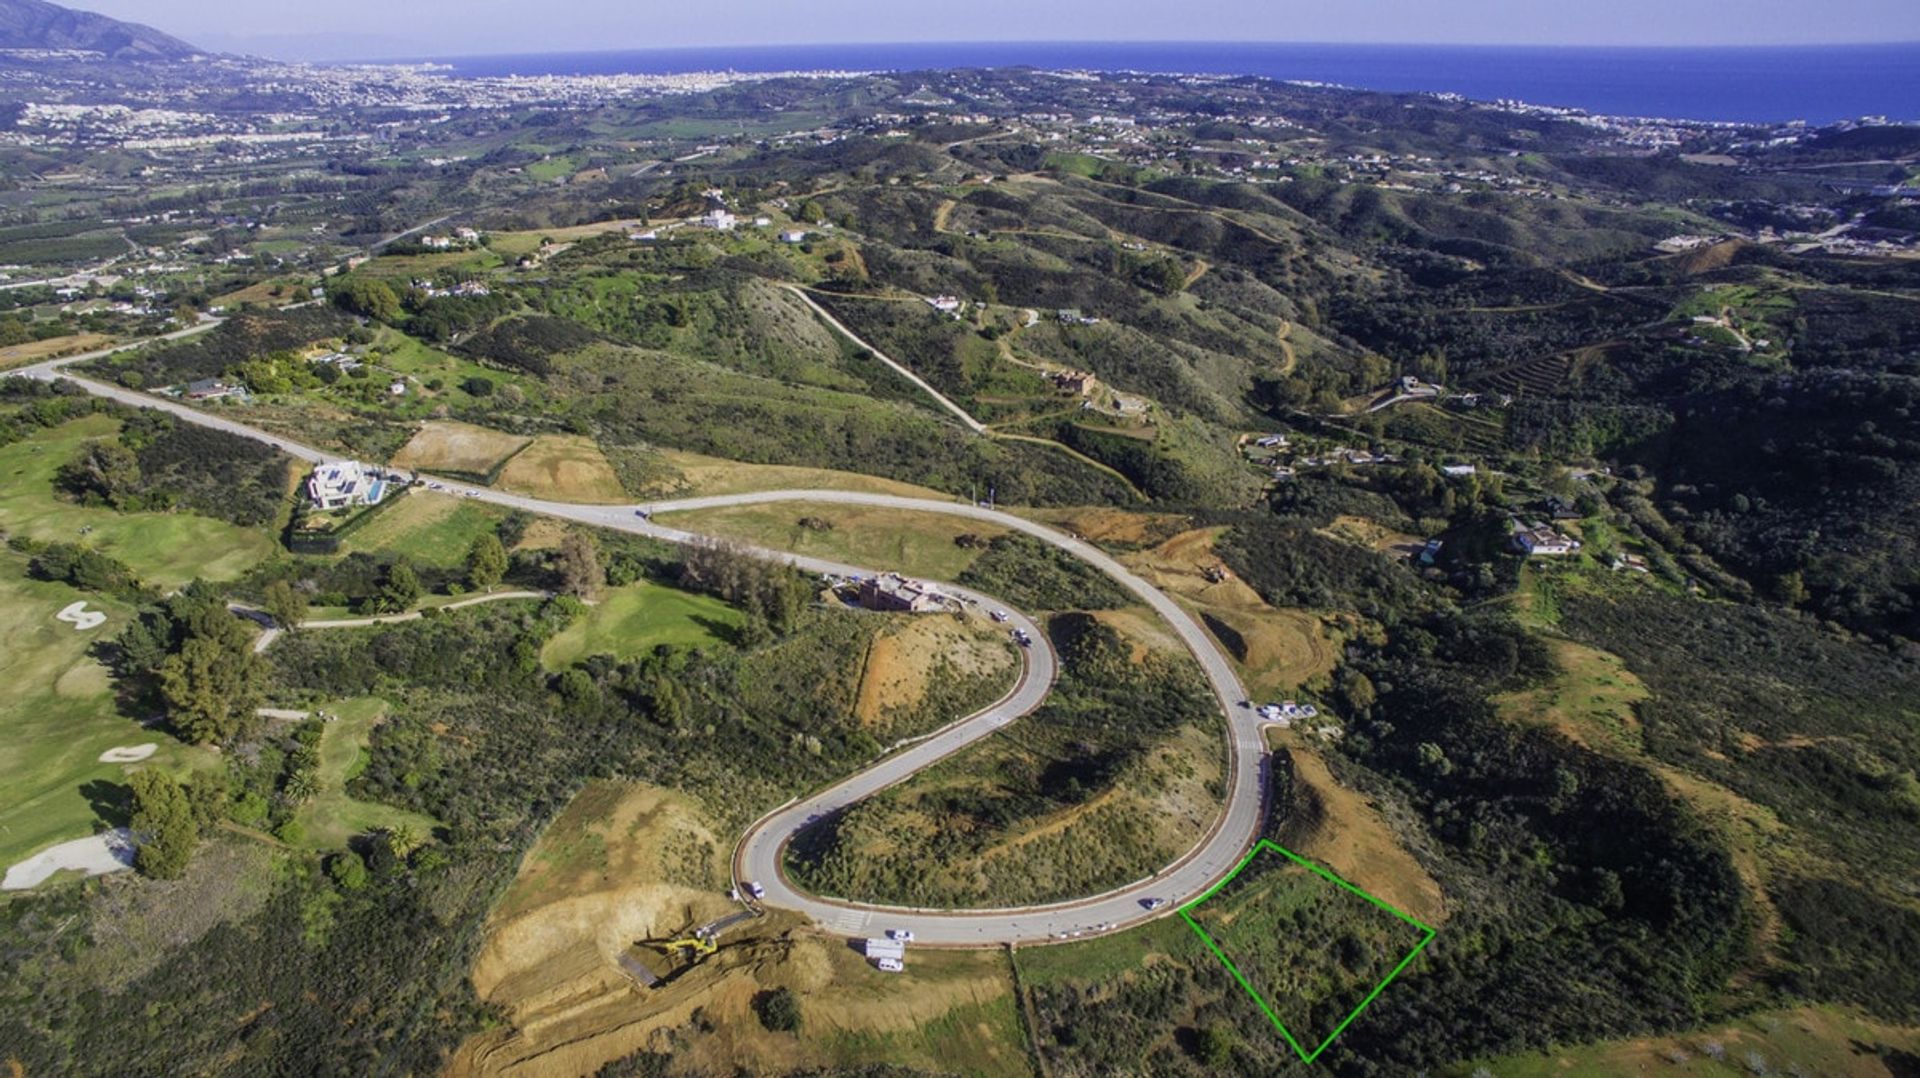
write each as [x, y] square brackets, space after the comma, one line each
[36, 24]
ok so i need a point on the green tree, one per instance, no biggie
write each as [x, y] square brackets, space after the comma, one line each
[401, 589]
[162, 824]
[1358, 691]
[486, 561]
[1216, 1046]
[349, 872]
[103, 471]
[287, 606]
[402, 839]
[211, 687]
[578, 564]
[779, 1010]
[367, 296]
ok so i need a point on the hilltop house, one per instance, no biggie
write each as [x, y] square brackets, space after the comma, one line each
[1079, 383]
[1537, 540]
[342, 483]
[719, 220]
[891, 591]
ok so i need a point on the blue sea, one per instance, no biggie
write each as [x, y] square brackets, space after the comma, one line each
[1818, 84]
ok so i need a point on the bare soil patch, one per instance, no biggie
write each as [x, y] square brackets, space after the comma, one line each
[446, 446]
[565, 467]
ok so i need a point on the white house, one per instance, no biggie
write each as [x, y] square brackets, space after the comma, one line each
[793, 236]
[719, 220]
[341, 483]
[1538, 540]
[1458, 471]
[945, 304]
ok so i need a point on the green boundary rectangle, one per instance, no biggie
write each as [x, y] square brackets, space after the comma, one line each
[1258, 848]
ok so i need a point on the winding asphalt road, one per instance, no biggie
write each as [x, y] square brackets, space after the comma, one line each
[761, 851]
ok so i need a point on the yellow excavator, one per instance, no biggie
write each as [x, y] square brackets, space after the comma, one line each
[697, 947]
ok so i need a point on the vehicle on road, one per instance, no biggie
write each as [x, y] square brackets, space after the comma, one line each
[998, 615]
[901, 934]
[643, 514]
[1153, 903]
[889, 965]
[756, 890]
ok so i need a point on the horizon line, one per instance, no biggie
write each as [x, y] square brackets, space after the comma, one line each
[1147, 42]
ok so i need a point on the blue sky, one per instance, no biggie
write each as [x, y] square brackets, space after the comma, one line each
[380, 28]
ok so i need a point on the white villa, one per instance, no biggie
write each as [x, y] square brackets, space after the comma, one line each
[341, 483]
[719, 220]
[1538, 540]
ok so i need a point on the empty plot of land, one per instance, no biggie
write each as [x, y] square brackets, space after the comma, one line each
[564, 467]
[902, 662]
[445, 446]
[19, 355]
[1277, 651]
[634, 619]
[628, 862]
[912, 542]
[676, 473]
[430, 529]
[1308, 947]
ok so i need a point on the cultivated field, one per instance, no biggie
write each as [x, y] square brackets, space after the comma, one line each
[167, 549]
[564, 467]
[446, 446]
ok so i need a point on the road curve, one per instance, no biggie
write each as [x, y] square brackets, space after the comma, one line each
[760, 852]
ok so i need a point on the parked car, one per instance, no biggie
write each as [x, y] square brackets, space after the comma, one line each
[901, 934]
[998, 615]
[889, 965]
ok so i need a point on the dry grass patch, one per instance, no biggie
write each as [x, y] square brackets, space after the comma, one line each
[1591, 702]
[1114, 527]
[909, 541]
[902, 661]
[446, 446]
[564, 467]
[1276, 651]
[19, 355]
[682, 474]
[1369, 534]
[1344, 830]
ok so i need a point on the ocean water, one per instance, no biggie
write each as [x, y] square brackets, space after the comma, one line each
[1818, 84]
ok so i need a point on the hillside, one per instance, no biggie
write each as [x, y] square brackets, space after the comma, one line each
[36, 24]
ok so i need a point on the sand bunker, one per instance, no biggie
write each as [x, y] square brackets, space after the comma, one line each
[95, 855]
[128, 754]
[80, 617]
